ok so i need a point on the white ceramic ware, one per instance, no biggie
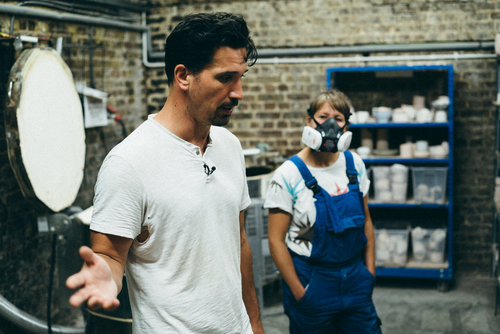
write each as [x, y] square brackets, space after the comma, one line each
[406, 150]
[362, 116]
[441, 116]
[423, 115]
[363, 151]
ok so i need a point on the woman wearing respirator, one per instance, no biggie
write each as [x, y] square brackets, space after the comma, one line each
[321, 235]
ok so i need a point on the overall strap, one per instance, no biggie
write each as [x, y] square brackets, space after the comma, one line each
[352, 173]
[309, 180]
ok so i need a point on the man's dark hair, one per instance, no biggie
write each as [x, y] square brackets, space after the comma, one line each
[195, 39]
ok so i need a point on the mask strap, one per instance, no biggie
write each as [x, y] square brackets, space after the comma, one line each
[315, 121]
[341, 128]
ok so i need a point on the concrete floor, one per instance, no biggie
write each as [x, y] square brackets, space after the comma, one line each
[415, 307]
[406, 307]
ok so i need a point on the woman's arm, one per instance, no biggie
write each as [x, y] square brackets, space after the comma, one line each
[278, 223]
[370, 236]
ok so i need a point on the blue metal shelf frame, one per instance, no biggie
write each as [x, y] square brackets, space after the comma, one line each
[400, 125]
[443, 274]
[404, 161]
[409, 205]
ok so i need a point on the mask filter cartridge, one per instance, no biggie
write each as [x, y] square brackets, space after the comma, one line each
[311, 138]
[344, 141]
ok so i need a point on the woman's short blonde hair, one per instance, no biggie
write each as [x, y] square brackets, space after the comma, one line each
[336, 99]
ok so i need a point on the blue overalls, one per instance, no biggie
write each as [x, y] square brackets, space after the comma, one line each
[339, 287]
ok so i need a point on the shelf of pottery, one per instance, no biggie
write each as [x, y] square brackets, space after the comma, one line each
[402, 125]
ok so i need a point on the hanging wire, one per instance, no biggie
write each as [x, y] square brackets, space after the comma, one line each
[51, 282]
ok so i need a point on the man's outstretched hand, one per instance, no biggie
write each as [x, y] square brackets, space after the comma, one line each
[95, 283]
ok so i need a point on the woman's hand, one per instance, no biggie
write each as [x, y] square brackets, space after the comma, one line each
[299, 293]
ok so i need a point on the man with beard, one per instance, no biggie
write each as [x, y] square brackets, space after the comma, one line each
[169, 199]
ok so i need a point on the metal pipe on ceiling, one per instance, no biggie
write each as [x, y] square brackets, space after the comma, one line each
[370, 48]
[149, 56]
[73, 18]
[276, 56]
[364, 59]
[112, 4]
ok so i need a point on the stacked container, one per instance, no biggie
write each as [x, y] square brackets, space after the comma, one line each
[429, 184]
[428, 245]
[391, 247]
[390, 183]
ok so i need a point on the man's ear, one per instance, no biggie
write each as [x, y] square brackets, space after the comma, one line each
[182, 76]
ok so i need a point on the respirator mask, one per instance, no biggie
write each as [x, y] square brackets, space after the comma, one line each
[327, 137]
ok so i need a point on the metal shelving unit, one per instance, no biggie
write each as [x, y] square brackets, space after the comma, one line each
[396, 82]
[264, 270]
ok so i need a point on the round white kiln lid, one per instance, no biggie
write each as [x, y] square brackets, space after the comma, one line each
[51, 133]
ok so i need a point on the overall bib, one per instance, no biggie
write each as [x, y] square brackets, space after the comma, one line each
[339, 287]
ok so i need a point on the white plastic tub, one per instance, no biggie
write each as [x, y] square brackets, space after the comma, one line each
[428, 245]
[429, 184]
[391, 247]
